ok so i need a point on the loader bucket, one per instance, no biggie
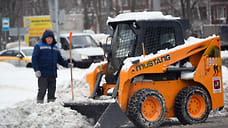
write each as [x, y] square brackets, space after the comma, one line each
[113, 117]
[91, 110]
[106, 115]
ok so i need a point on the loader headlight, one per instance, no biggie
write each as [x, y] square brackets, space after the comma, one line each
[84, 57]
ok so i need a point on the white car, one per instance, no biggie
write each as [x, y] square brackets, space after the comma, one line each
[13, 56]
[105, 40]
[85, 50]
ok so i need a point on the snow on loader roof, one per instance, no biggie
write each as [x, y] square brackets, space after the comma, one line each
[137, 16]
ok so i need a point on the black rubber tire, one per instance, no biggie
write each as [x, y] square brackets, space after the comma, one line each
[181, 105]
[29, 65]
[135, 114]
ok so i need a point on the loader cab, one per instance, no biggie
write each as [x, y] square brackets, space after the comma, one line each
[128, 37]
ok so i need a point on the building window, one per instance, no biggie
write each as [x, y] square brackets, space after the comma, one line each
[220, 13]
[142, 3]
[104, 3]
[203, 13]
[124, 3]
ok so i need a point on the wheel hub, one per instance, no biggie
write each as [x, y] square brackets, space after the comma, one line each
[151, 109]
[196, 106]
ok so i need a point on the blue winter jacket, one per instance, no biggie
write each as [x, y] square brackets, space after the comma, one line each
[45, 57]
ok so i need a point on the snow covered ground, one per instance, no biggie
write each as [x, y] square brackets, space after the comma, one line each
[18, 90]
[18, 108]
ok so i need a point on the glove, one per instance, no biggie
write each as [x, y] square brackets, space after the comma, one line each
[38, 74]
[70, 65]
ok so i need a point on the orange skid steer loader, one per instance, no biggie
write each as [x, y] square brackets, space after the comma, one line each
[155, 75]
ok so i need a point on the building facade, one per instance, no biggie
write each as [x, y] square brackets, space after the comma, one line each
[219, 11]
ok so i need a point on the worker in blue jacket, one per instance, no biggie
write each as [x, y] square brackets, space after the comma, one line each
[45, 57]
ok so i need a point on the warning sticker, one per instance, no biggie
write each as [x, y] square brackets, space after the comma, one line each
[216, 82]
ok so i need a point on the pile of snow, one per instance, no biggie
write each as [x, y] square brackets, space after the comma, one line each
[49, 115]
[224, 54]
[18, 90]
[138, 16]
[7, 67]
[16, 84]
[93, 66]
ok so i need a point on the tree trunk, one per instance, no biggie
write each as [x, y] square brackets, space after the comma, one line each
[189, 14]
[183, 8]
[133, 2]
[86, 18]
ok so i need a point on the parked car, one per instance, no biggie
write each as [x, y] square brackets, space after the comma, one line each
[13, 56]
[85, 50]
[104, 40]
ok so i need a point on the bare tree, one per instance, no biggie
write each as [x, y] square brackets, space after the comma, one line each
[187, 6]
[132, 5]
[172, 8]
[86, 18]
[97, 7]
[9, 9]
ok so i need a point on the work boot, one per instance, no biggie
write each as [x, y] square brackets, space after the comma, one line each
[39, 101]
[51, 100]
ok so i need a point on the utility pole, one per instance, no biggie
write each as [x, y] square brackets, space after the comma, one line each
[57, 19]
[107, 14]
[156, 5]
[5, 27]
[54, 14]
[133, 3]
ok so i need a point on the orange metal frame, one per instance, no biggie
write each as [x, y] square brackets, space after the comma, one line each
[91, 77]
[205, 56]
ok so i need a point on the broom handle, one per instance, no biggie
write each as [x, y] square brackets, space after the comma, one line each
[71, 74]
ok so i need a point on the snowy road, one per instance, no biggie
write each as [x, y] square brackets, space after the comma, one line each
[212, 122]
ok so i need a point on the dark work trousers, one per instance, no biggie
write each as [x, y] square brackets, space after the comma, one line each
[46, 83]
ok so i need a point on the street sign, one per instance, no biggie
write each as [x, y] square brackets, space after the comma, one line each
[5, 24]
[18, 31]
